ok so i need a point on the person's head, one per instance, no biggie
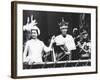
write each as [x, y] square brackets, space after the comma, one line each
[34, 33]
[64, 29]
[85, 36]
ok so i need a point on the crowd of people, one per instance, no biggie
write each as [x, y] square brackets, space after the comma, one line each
[76, 46]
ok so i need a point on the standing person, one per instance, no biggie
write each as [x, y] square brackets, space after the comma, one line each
[34, 47]
[84, 46]
[64, 40]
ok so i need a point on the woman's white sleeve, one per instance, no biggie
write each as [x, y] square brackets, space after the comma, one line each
[25, 51]
[45, 48]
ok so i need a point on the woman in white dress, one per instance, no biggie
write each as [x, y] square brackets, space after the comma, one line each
[34, 47]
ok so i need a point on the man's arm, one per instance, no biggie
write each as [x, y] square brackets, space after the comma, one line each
[73, 46]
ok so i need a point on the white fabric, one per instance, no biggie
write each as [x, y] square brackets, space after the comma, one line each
[63, 27]
[34, 49]
[26, 27]
[68, 41]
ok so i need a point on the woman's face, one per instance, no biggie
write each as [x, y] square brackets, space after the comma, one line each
[34, 34]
